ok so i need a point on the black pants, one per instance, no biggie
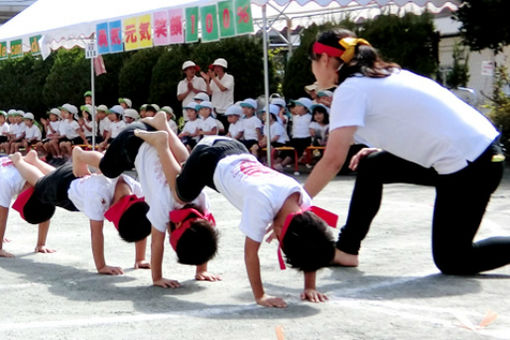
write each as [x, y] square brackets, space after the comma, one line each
[461, 199]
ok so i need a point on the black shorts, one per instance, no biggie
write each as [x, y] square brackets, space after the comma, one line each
[74, 141]
[52, 188]
[198, 171]
[120, 155]
[3, 139]
[249, 143]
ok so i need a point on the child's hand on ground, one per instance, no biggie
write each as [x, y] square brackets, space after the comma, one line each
[142, 264]
[109, 270]
[271, 301]
[43, 249]
[313, 296]
[206, 276]
[4, 253]
[165, 283]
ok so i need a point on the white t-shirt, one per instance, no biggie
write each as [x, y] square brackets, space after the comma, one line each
[182, 87]
[93, 195]
[11, 182]
[156, 189]
[413, 118]
[68, 128]
[17, 129]
[173, 126]
[4, 129]
[236, 128]
[104, 125]
[301, 125]
[116, 127]
[33, 131]
[55, 126]
[207, 124]
[221, 100]
[191, 127]
[257, 191]
[276, 129]
[320, 131]
[88, 125]
[250, 126]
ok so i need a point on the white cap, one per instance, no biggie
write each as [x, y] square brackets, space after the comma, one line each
[188, 63]
[324, 107]
[131, 113]
[234, 110]
[127, 101]
[102, 107]
[69, 108]
[191, 105]
[303, 101]
[55, 111]
[168, 109]
[249, 102]
[279, 102]
[116, 109]
[201, 96]
[205, 103]
[28, 115]
[220, 62]
[12, 112]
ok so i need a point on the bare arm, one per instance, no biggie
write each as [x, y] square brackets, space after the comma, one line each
[310, 292]
[157, 249]
[4, 212]
[41, 238]
[331, 162]
[96, 234]
[251, 259]
[140, 262]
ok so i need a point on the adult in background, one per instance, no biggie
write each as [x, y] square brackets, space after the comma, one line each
[220, 86]
[421, 133]
[190, 85]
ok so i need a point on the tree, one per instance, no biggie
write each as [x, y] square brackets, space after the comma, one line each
[107, 84]
[68, 78]
[459, 74]
[485, 24]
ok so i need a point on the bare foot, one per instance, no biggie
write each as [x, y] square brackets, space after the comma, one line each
[15, 157]
[31, 157]
[158, 139]
[158, 121]
[80, 169]
[344, 259]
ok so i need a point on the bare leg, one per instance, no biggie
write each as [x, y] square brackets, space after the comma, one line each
[33, 159]
[171, 168]
[81, 160]
[159, 122]
[29, 172]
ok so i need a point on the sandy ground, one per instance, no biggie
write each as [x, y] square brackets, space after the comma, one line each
[395, 293]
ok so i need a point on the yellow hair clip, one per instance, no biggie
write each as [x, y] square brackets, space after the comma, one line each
[349, 44]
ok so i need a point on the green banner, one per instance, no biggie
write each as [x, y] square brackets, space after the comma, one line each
[191, 24]
[244, 22]
[3, 50]
[34, 45]
[16, 48]
[226, 17]
[209, 22]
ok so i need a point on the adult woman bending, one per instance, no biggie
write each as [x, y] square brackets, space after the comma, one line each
[420, 133]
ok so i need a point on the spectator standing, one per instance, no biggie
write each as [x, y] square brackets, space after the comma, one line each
[220, 86]
[189, 86]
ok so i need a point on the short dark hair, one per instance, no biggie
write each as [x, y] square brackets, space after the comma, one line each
[308, 245]
[36, 212]
[322, 110]
[198, 244]
[134, 225]
[150, 108]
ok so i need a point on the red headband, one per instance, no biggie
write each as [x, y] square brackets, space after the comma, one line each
[5, 162]
[21, 200]
[319, 48]
[183, 215]
[327, 216]
[116, 211]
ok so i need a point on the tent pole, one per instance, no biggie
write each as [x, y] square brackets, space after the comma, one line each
[266, 84]
[92, 89]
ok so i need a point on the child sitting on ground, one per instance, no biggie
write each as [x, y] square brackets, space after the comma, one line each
[117, 124]
[192, 235]
[95, 195]
[51, 128]
[265, 198]
[4, 127]
[189, 134]
[11, 184]
[252, 126]
[69, 131]
[235, 127]
[207, 124]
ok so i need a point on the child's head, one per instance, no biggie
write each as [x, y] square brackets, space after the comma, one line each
[54, 114]
[130, 115]
[192, 235]
[86, 111]
[170, 115]
[301, 106]
[101, 111]
[115, 113]
[11, 116]
[125, 103]
[249, 106]
[201, 97]
[68, 111]
[28, 118]
[320, 113]
[325, 97]
[150, 110]
[129, 217]
[191, 110]
[3, 116]
[204, 109]
[233, 113]
[18, 118]
[307, 243]
[31, 208]
[87, 97]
